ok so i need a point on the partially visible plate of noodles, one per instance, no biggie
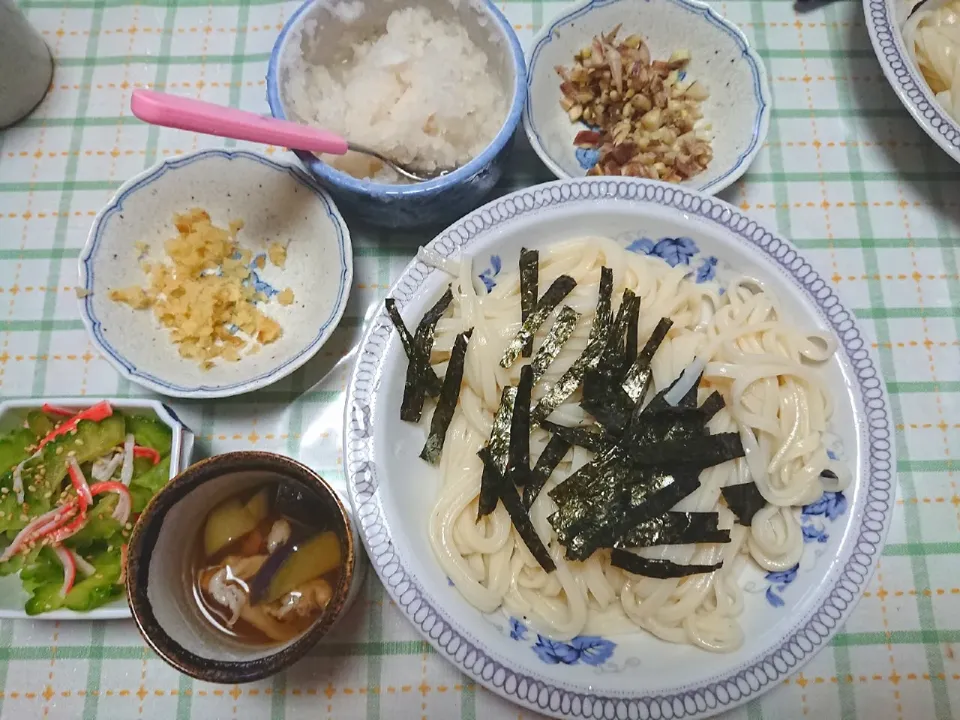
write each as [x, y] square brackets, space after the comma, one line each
[625, 625]
[917, 44]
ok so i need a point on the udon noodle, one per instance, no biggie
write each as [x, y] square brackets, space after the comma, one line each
[931, 35]
[765, 368]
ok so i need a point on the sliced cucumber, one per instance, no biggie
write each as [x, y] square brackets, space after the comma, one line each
[99, 588]
[144, 487]
[41, 488]
[13, 448]
[150, 432]
[40, 423]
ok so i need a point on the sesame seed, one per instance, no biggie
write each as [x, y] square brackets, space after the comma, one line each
[24, 517]
[78, 441]
[59, 450]
[128, 526]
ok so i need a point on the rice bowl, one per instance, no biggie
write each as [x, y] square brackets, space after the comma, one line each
[326, 34]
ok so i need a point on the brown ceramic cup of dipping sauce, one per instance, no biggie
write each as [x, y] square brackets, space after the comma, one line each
[161, 567]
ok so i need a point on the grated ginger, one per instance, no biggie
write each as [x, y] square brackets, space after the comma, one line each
[203, 292]
[277, 254]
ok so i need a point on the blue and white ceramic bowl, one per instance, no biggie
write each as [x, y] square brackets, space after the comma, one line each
[738, 109]
[788, 616]
[277, 203]
[443, 199]
[884, 19]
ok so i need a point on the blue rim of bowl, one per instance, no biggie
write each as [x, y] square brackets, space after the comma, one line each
[431, 187]
[128, 369]
[849, 574]
[910, 87]
[760, 87]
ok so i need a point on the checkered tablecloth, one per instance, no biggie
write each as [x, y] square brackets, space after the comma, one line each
[845, 173]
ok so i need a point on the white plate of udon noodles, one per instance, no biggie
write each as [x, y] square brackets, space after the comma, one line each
[801, 394]
[917, 44]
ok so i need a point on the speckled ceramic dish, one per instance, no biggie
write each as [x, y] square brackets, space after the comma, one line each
[161, 546]
[738, 108]
[323, 28]
[12, 414]
[276, 202]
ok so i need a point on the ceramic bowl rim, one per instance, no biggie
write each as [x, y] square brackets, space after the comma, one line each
[430, 188]
[886, 38]
[144, 179]
[702, 11]
[143, 540]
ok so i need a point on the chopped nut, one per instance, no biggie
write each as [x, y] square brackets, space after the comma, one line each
[642, 113]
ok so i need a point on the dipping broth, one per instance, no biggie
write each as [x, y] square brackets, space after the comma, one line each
[265, 567]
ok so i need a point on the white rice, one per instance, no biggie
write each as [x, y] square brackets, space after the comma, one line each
[421, 93]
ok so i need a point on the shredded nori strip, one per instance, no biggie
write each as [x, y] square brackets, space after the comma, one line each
[519, 516]
[660, 569]
[619, 356]
[711, 406]
[529, 289]
[675, 528]
[518, 459]
[638, 377]
[586, 524]
[604, 398]
[432, 382]
[414, 390]
[449, 397]
[709, 450]
[582, 437]
[588, 359]
[557, 291]
[498, 447]
[623, 497]
[744, 501]
[614, 354]
[551, 456]
[560, 332]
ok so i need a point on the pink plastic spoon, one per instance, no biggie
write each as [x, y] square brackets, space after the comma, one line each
[181, 113]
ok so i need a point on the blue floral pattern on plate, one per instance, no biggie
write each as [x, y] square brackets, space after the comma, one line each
[587, 649]
[587, 157]
[488, 275]
[813, 525]
[778, 583]
[518, 630]
[677, 251]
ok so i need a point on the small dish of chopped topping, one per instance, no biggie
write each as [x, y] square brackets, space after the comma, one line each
[659, 89]
[214, 274]
[643, 116]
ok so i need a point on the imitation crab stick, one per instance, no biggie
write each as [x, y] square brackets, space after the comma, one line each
[96, 413]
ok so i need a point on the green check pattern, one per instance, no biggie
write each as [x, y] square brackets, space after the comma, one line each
[845, 173]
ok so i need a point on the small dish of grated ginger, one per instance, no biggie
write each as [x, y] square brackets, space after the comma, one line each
[206, 290]
[214, 273]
